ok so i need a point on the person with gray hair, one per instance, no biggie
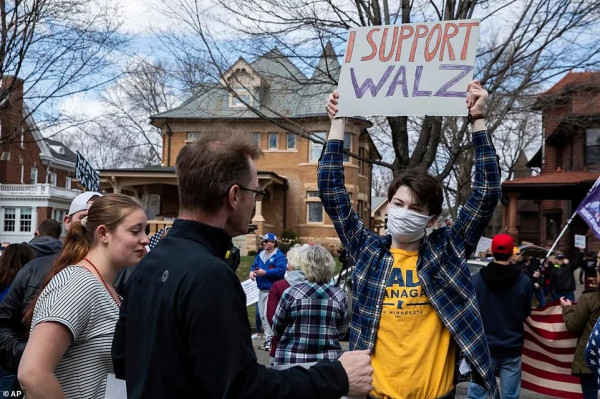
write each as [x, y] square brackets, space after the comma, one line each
[293, 276]
[311, 316]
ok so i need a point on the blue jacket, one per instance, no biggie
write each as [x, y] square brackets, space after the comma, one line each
[275, 266]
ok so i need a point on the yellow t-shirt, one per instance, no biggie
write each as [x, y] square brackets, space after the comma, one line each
[414, 353]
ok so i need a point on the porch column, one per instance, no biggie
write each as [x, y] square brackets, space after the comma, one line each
[258, 218]
[512, 215]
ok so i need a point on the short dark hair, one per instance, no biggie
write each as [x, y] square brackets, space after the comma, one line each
[501, 257]
[426, 188]
[208, 167]
[50, 228]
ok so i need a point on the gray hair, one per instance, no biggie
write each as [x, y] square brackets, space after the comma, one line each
[293, 255]
[317, 264]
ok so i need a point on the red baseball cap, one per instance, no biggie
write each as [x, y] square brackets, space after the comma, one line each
[502, 244]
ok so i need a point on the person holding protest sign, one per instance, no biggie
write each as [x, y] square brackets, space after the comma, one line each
[192, 339]
[414, 305]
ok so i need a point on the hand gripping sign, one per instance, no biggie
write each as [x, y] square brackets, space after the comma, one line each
[409, 69]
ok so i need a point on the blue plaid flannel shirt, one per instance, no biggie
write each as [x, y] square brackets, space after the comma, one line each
[441, 266]
[310, 320]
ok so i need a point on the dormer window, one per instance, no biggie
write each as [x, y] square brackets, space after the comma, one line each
[234, 102]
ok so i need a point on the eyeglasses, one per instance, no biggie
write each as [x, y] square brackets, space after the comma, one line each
[258, 195]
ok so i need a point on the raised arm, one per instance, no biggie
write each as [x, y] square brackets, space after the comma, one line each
[332, 190]
[479, 208]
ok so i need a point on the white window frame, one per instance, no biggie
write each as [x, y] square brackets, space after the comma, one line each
[312, 204]
[256, 138]
[234, 102]
[347, 138]
[52, 178]
[33, 175]
[21, 215]
[270, 135]
[68, 183]
[191, 136]
[314, 148]
[287, 141]
[312, 201]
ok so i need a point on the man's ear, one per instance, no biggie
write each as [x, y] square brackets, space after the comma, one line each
[67, 222]
[233, 196]
[432, 221]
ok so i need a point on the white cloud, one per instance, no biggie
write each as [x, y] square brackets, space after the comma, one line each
[140, 15]
[82, 104]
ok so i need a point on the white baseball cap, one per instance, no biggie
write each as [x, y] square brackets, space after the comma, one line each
[80, 203]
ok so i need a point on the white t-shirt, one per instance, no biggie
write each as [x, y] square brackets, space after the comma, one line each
[76, 299]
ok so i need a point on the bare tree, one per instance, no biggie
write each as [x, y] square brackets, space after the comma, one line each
[122, 136]
[524, 45]
[57, 48]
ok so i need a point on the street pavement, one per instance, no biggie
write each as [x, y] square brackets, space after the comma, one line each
[461, 389]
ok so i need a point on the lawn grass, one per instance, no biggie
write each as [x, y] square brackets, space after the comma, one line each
[242, 273]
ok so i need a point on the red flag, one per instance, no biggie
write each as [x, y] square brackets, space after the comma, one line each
[548, 354]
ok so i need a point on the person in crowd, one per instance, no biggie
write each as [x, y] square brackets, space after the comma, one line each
[269, 266]
[232, 257]
[259, 330]
[25, 287]
[193, 337]
[562, 277]
[311, 316]
[293, 276]
[259, 334]
[580, 320]
[504, 297]
[587, 274]
[74, 316]
[413, 298]
[11, 261]
[46, 241]
[532, 268]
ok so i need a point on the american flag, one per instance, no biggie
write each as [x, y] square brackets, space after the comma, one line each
[548, 354]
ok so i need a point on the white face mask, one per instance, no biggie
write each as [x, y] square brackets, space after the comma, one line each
[405, 225]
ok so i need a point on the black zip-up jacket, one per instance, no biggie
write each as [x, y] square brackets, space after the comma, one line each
[504, 298]
[183, 330]
[562, 278]
[23, 290]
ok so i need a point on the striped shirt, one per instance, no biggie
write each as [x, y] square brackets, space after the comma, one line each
[80, 302]
[441, 266]
[310, 320]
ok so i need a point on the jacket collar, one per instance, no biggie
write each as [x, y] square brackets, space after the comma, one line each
[217, 240]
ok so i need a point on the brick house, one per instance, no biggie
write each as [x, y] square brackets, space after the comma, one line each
[288, 170]
[36, 173]
[538, 207]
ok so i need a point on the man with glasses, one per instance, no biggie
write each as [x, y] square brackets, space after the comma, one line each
[183, 329]
[269, 266]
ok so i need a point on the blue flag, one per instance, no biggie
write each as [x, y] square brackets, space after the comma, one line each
[589, 209]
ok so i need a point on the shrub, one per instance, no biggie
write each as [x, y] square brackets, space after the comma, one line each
[289, 238]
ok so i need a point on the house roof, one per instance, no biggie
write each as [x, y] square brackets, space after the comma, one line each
[61, 151]
[376, 203]
[285, 91]
[575, 80]
[572, 81]
[556, 185]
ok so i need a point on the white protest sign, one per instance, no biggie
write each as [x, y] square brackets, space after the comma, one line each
[408, 69]
[251, 292]
[483, 245]
[579, 241]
